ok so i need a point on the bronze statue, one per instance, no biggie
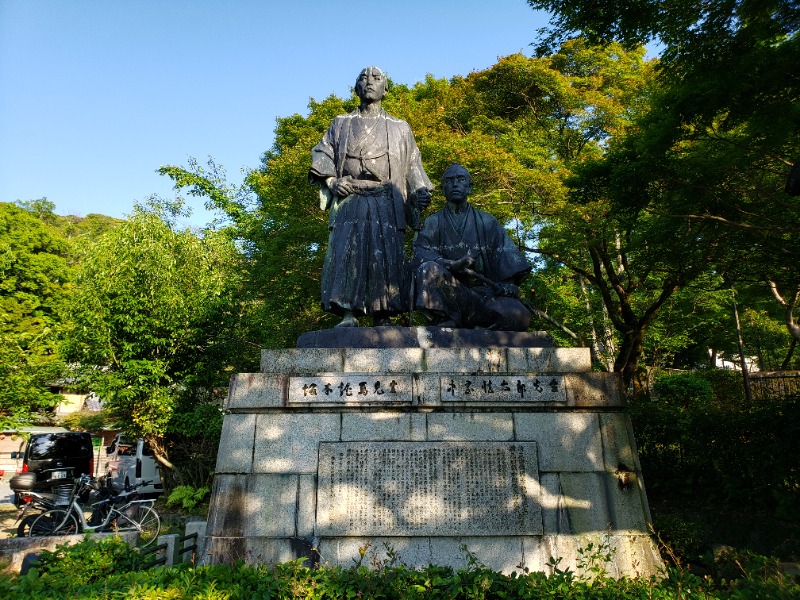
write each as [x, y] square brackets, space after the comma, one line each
[370, 175]
[468, 269]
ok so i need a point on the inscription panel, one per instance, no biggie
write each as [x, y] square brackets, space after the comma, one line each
[503, 388]
[428, 489]
[346, 388]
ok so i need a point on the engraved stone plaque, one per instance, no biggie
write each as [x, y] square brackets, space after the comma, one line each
[428, 489]
[348, 388]
[490, 387]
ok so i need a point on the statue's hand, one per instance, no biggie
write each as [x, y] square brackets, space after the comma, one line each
[343, 186]
[465, 262]
[422, 199]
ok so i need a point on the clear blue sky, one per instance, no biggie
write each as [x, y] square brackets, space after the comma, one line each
[96, 95]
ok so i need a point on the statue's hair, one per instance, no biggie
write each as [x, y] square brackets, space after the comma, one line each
[454, 166]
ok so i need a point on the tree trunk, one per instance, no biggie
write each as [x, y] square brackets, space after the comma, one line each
[788, 360]
[788, 309]
[627, 362]
[594, 348]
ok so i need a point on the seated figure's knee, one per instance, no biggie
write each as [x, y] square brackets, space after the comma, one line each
[430, 269]
[508, 314]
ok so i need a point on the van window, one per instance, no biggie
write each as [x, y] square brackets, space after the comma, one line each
[126, 449]
[59, 445]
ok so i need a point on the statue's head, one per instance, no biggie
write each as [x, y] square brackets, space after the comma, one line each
[371, 84]
[456, 184]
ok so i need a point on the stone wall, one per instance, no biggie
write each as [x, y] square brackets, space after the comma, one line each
[515, 456]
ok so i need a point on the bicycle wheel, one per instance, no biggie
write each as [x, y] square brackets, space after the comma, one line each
[54, 522]
[25, 525]
[147, 522]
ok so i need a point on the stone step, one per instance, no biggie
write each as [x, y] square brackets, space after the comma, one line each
[422, 337]
[426, 360]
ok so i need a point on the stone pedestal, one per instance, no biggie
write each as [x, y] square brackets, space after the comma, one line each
[514, 456]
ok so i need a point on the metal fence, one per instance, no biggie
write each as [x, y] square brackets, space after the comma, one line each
[767, 385]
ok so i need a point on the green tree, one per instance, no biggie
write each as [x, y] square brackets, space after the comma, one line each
[146, 323]
[34, 278]
[723, 130]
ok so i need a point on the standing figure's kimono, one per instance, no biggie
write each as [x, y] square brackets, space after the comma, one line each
[365, 263]
[480, 296]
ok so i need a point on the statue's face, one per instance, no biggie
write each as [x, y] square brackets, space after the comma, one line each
[456, 184]
[371, 84]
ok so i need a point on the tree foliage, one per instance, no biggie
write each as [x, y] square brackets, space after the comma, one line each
[723, 130]
[144, 320]
[34, 279]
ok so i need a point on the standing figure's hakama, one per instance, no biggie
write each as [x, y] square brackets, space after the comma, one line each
[365, 263]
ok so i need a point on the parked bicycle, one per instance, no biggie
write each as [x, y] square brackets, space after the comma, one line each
[113, 512]
[33, 497]
[32, 501]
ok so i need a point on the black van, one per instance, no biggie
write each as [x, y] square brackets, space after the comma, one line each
[55, 458]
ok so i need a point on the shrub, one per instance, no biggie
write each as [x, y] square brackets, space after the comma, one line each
[294, 580]
[187, 496]
[727, 386]
[683, 542]
[89, 561]
[85, 421]
[683, 389]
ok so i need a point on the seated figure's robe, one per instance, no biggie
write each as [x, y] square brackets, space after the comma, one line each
[473, 298]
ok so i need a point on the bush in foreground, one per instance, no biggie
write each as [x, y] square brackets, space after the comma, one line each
[108, 569]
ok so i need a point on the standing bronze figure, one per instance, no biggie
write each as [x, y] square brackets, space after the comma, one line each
[370, 175]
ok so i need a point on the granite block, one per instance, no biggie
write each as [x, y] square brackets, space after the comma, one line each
[568, 441]
[383, 360]
[625, 504]
[256, 390]
[270, 551]
[466, 360]
[288, 443]
[503, 554]
[585, 498]
[555, 513]
[376, 426]
[549, 360]
[419, 427]
[306, 506]
[226, 511]
[224, 550]
[618, 450]
[470, 426]
[270, 506]
[633, 555]
[346, 551]
[594, 390]
[236, 443]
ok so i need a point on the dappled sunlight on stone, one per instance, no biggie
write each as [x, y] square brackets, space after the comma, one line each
[513, 479]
